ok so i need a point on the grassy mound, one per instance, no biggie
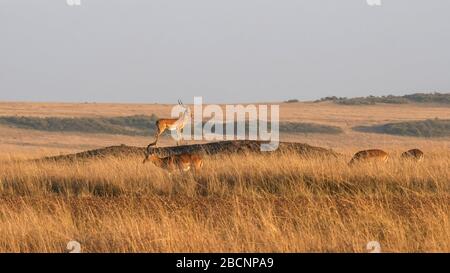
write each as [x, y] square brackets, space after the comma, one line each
[139, 125]
[131, 125]
[424, 128]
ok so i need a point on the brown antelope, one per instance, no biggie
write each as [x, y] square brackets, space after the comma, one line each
[369, 155]
[415, 154]
[183, 162]
[171, 124]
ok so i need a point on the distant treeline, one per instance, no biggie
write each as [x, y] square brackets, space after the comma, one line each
[139, 125]
[441, 98]
[424, 128]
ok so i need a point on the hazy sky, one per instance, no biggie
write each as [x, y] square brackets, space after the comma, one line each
[224, 50]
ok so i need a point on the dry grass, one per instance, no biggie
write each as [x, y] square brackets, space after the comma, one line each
[258, 203]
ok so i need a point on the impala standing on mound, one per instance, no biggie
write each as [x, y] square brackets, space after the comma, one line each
[369, 155]
[171, 124]
[183, 162]
[415, 154]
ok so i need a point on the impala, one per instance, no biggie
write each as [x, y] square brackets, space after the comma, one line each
[369, 155]
[171, 124]
[183, 162]
[415, 154]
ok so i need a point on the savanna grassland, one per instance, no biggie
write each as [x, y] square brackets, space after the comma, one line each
[257, 202]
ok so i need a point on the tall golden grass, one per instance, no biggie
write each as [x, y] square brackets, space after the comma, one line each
[237, 203]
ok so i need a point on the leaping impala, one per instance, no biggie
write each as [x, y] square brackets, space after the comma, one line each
[171, 124]
[183, 162]
[369, 155]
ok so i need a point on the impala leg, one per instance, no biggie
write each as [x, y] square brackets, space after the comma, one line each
[157, 134]
[178, 137]
[147, 152]
[181, 134]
